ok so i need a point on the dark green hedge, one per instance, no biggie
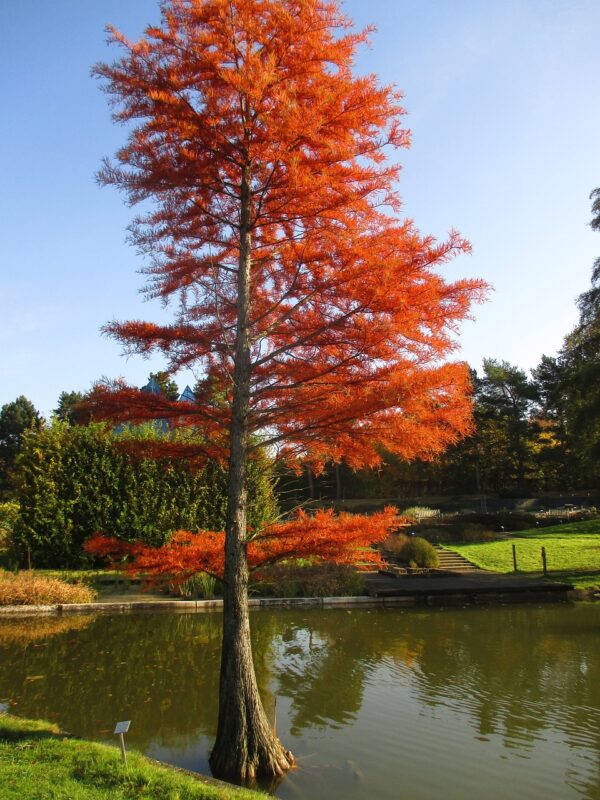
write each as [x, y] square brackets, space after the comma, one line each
[72, 481]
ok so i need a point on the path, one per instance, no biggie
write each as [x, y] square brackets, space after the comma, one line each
[453, 562]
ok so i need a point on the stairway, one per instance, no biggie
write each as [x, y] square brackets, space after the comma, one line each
[452, 562]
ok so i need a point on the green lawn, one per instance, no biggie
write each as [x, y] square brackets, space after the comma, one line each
[37, 761]
[91, 577]
[572, 553]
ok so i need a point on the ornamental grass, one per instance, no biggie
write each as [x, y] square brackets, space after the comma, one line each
[26, 589]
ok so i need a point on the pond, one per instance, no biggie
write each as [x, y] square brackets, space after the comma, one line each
[419, 704]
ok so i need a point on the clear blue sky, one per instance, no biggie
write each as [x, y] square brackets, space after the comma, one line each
[505, 115]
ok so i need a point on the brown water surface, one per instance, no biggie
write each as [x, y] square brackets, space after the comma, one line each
[487, 703]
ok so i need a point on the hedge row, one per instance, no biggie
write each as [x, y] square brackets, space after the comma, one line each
[72, 481]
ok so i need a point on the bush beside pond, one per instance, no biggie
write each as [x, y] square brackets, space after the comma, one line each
[26, 589]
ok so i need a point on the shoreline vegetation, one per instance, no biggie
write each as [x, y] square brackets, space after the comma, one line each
[572, 550]
[29, 588]
[37, 759]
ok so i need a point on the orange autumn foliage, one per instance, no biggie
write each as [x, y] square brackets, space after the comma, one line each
[247, 123]
[344, 539]
[319, 317]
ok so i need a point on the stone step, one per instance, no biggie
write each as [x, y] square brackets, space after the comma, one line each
[453, 562]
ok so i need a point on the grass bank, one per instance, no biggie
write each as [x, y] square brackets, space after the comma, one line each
[572, 553]
[38, 761]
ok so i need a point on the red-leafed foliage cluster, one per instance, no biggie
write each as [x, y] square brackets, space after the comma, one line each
[319, 316]
[266, 161]
[344, 539]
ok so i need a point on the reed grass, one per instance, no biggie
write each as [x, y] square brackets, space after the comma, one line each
[26, 588]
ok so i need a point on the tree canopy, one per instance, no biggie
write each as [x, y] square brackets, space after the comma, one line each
[254, 139]
[318, 317]
[16, 419]
[66, 410]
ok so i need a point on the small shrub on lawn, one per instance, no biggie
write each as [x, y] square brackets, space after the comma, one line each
[414, 551]
[25, 589]
[419, 552]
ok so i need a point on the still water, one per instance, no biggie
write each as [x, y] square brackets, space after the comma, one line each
[490, 703]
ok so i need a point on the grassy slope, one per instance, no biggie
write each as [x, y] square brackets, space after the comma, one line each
[37, 761]
[572, 552]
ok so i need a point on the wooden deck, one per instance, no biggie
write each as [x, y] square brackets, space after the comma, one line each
[472, 586]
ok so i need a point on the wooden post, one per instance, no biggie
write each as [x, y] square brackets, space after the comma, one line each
[514, 549]
[544, 561]
[123, 753]
[120, 729]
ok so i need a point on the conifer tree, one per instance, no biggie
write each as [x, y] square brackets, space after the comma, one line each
[318, 316]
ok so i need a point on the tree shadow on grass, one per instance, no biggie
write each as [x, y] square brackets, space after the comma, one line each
[591, 576]
[14, 729]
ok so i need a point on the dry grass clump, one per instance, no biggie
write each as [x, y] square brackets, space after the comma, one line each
[394, 544]
[27, 589]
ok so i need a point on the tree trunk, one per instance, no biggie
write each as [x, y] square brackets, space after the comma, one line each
[246, 746]
[311, 483]
[338, 482]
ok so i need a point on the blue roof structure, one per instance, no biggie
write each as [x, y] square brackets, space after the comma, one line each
[152, 387]
[161, 425]
[187, 396]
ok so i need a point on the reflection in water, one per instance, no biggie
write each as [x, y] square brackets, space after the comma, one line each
[450, 703]
[37, 630]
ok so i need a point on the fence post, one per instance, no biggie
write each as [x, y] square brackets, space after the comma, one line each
[544, 560]
[514, 549]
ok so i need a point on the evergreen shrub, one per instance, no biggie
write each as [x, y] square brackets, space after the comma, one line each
[414, 551]
[74, 481]
[9, 514]
[418, 552]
